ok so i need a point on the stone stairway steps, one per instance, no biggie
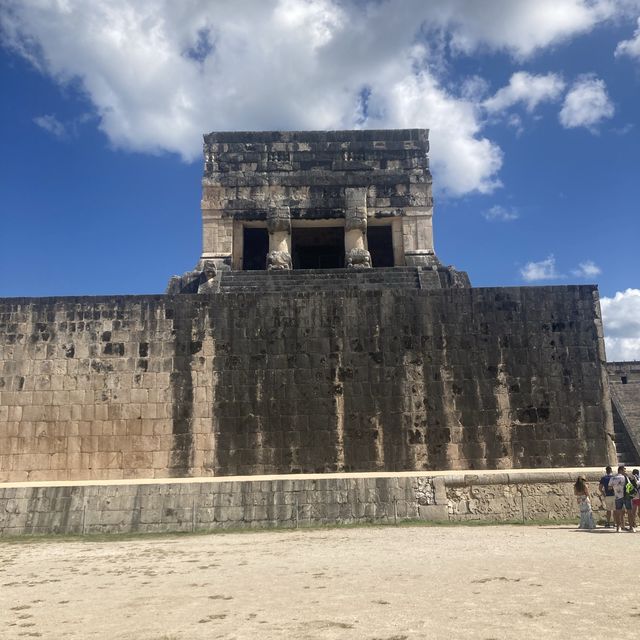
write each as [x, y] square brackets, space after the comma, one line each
[624, 451]
[319, 280]
[626, 422]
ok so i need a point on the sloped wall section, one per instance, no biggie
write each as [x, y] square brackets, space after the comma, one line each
[249, 383]
[624, 386]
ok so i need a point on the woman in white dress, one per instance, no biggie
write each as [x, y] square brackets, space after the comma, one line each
[581, 491]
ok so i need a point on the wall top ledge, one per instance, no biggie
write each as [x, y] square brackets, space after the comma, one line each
[480, 293]
[458, 478]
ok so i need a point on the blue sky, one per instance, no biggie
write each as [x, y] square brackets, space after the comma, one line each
[533, 108]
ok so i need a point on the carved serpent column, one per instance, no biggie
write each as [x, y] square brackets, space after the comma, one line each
[279, 227]
[355, 229]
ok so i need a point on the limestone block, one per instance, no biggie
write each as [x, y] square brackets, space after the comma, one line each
[438, 513]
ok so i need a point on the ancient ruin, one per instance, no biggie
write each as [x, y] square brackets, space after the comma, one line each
[316, 200]
[624, 385]
[318, 332]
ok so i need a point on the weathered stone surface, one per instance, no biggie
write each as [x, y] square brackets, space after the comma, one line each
[250, 383]
[278, 219]
[278, 261]
[299, 502]
[209, 282]
[624, 383]
[358, 259]
[203, 279]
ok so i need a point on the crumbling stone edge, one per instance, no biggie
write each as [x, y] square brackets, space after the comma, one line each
[203, 504]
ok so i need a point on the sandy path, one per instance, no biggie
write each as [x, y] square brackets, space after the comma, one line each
[383, 583]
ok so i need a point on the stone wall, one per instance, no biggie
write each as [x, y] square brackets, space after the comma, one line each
[624, 382]
[206, 505]
[249, 383]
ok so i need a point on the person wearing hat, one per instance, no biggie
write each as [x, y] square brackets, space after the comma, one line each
[581, 491]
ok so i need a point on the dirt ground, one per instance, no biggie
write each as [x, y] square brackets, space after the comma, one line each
[364, 583]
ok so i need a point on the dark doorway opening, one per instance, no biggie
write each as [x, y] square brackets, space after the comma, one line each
[380, 244]
[255, 246]
[317, 247]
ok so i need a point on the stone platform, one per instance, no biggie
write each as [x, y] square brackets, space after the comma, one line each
[204, 504]
[248, 383]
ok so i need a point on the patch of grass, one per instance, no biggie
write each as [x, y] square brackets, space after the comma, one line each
[408, 522]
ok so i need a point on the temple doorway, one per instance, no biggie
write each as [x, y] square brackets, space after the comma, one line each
[380, 244]
[317, 247]
[255, 248]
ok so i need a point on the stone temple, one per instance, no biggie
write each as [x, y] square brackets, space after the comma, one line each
[318, 332]
[316, 200]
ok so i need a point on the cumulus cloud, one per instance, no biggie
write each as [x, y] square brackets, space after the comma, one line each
[465, 161]
[52, 125]
[586, 104]
[587, 269]
[528, 89]
[522, 27]
[498, 213]
[543, 270]
[630, 47]
[621, 319]
[160, 73]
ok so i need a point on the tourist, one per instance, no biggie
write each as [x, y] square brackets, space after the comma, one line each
[607, 495]
[581, 491]
[634, 478]
[618, 483]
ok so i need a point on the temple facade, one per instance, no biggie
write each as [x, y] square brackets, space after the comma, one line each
[280, 200]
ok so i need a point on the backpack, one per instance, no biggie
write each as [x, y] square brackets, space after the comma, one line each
[630, 489]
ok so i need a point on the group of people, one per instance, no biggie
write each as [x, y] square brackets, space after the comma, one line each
[620, 493]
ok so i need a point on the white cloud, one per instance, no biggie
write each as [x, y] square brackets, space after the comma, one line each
[543, 270]
[521, 27]
[630, 47]
[586, 104]
[515, 122]
[465, 161]
[498, 213]
[474, 88]
[587, 269]
[621, 319]
[546, 270]
[160, 73]
[527, 89]
[51, 124]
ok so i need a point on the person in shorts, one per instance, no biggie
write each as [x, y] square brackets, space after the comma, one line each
[635, 500]
[607, 495]
[618, 483]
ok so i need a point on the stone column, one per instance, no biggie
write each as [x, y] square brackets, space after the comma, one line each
[355, 229]
[417, 229]
[217, 230]
[279, 227]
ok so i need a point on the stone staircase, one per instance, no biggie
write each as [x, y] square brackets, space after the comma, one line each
[625, 403]
[322, 280]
